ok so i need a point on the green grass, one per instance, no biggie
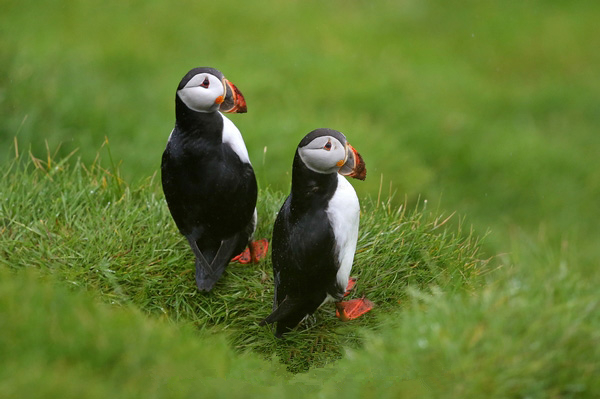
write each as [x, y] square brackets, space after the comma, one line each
[60, 343]
[481, 110]
[517, 338]
[95, 232]
[97, 295]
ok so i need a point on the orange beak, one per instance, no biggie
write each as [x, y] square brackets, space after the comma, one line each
[354, 165]
[234, 101]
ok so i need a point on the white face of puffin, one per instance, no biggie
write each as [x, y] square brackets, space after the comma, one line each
[324, 154]
[203, 93]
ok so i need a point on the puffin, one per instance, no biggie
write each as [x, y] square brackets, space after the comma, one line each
[315, 233]
[207, 178]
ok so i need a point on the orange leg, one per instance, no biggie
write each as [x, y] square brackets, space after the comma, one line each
[350, 287]
[352, 309]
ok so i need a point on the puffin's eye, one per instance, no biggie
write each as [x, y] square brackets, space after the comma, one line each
[327, 146]
[206, 83]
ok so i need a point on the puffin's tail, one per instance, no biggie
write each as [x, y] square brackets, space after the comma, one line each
[207, 278]
[288, 315]
[207, 274]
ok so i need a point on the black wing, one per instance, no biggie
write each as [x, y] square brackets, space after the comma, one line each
[304, 265]
[209, 190]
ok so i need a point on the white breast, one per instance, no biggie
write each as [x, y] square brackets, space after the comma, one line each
[344, 214]
[233, 137]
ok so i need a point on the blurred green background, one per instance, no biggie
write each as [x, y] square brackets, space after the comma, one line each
[487, 108]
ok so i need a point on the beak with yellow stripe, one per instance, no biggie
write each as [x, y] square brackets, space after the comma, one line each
[232, 100]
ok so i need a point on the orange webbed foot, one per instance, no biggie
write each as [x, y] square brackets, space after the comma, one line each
[353, 309]
[255, 251]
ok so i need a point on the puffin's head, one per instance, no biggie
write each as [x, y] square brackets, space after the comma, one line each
[206, 90]
[327, 151]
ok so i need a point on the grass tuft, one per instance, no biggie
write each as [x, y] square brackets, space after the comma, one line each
[88, 228]
[97, 299]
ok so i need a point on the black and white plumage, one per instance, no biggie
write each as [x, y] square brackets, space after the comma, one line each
[207, 178]
[316, 230]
